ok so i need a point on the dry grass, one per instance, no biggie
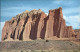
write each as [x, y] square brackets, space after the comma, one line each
[75, 50]
[39, 46]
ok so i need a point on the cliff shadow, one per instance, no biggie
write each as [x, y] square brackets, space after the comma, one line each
[21, 34]
[43, 31]
[34, 27]
[56, 26]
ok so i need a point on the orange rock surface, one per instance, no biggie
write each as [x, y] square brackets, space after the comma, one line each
[35, 24]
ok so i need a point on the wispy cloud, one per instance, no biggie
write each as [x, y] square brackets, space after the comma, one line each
[73, 21]
[71, 11]
[17, 8]
[56, 2]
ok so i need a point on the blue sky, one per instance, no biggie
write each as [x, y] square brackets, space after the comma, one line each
[71, 9]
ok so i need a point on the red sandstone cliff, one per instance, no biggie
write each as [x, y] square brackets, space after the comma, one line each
[36, 24]
[77, 33]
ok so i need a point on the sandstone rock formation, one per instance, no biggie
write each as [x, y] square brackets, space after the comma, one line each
[77, 33]
[69, 32]
[36, 24]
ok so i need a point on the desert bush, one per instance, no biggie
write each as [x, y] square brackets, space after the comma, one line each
[21, 50]
[32, 50]
[47, 40]
[42, 51]
[26, 51]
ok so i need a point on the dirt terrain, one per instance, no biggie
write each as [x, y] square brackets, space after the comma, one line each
[40, 45]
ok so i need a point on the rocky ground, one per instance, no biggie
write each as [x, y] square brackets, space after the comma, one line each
[39, 46]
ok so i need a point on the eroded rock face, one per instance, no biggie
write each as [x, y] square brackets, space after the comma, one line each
[69, 32]
[77, 33]
[36, 24]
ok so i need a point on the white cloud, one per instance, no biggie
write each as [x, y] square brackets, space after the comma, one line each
[2, 24]
[1, 27]
[46, 13]
[73, 21]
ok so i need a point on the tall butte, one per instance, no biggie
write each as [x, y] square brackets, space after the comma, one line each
[35, 24]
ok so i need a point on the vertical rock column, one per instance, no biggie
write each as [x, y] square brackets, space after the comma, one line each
[49, 25]
[27, 30]
[40, 35]
[55, 24]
